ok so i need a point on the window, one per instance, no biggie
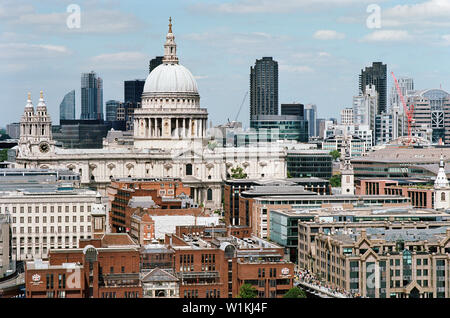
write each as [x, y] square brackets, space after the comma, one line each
[209, 195]
[189, 169]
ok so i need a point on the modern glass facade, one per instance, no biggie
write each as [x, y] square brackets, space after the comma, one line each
[91, 97]
[287, 127]
[304, 164]
[67, 106]
[111, 110]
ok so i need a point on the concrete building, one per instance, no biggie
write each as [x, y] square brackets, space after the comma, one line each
[264, 88]
[5, 245]
[13, 130]
[375, 75]
[347, 116]
[48, 216]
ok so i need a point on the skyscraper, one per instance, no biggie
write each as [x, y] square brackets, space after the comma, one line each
[67, 106]
[311, 117]
[154, 63]
[406, 85]
[376, 75]
[91, 96]
[264, 88]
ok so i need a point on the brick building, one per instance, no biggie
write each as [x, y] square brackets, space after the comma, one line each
[122, 191]
[421, 192]
[103, 267]
[213, 264]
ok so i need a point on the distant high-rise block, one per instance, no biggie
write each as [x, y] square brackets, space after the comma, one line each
[154, 63]
[111, 110]
[133, 91]
[347, 116]
[264, 88]
[91, 96]
[376, 75]
[407, 88]
[293, 109]
[67, 106]
[311, 116]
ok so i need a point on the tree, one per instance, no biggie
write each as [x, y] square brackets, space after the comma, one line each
[289, 175]
[335, 154]
[335, 181]
[3, 155]
[238, 173]
[247, 291]
[295, 293]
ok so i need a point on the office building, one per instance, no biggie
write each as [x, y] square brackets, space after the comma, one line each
[81, 134]
[111, 110]
[287, 127]
[347, 116]
[13, 130]
[375, 75]
[309, 164]
[389, 260]
[154, 63]
[311, 117]
[5, 245]
[432, 111]
[214, 264]
[67, 106]
[46, 217]
[91, 96]
[293, 109]
[264, 88]
[406, 86]
[133, 92]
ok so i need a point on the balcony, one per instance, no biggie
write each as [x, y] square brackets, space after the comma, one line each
[199, 278]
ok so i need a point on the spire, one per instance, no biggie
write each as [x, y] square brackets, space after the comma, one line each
[29, 106]
[170, 48]
[441, 178]
[41, 100]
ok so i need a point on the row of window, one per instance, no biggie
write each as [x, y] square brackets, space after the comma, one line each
[45, 209]
[51, 219]
[52, 229]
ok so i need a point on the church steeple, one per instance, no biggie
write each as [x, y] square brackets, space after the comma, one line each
[29, 108]
[170, 48]
[441, 178]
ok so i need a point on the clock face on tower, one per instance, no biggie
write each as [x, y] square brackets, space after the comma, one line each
[44, 147]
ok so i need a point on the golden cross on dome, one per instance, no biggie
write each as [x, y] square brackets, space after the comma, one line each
[42, 95]
[170, 24]
[29, 96]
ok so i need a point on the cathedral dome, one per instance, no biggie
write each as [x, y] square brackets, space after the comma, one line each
[170, 78]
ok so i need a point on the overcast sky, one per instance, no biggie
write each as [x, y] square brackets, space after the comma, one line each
[321, 47]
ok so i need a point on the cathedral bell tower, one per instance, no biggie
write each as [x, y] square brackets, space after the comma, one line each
[348, 177]
[36, 129]
[441, 188]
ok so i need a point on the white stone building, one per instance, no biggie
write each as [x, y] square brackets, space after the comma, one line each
[170, 140]
[48, 218]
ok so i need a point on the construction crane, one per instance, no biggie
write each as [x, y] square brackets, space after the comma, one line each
[242, 104]
[409, 111]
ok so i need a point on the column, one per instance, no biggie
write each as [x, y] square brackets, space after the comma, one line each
[177, 133]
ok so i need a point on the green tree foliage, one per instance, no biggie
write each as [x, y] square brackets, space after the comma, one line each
[335, 154]
[247, 291]
[335, 181]
[3, 155]
[238, 173]
[295, 293]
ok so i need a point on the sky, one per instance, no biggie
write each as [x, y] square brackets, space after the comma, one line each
[320, 45]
